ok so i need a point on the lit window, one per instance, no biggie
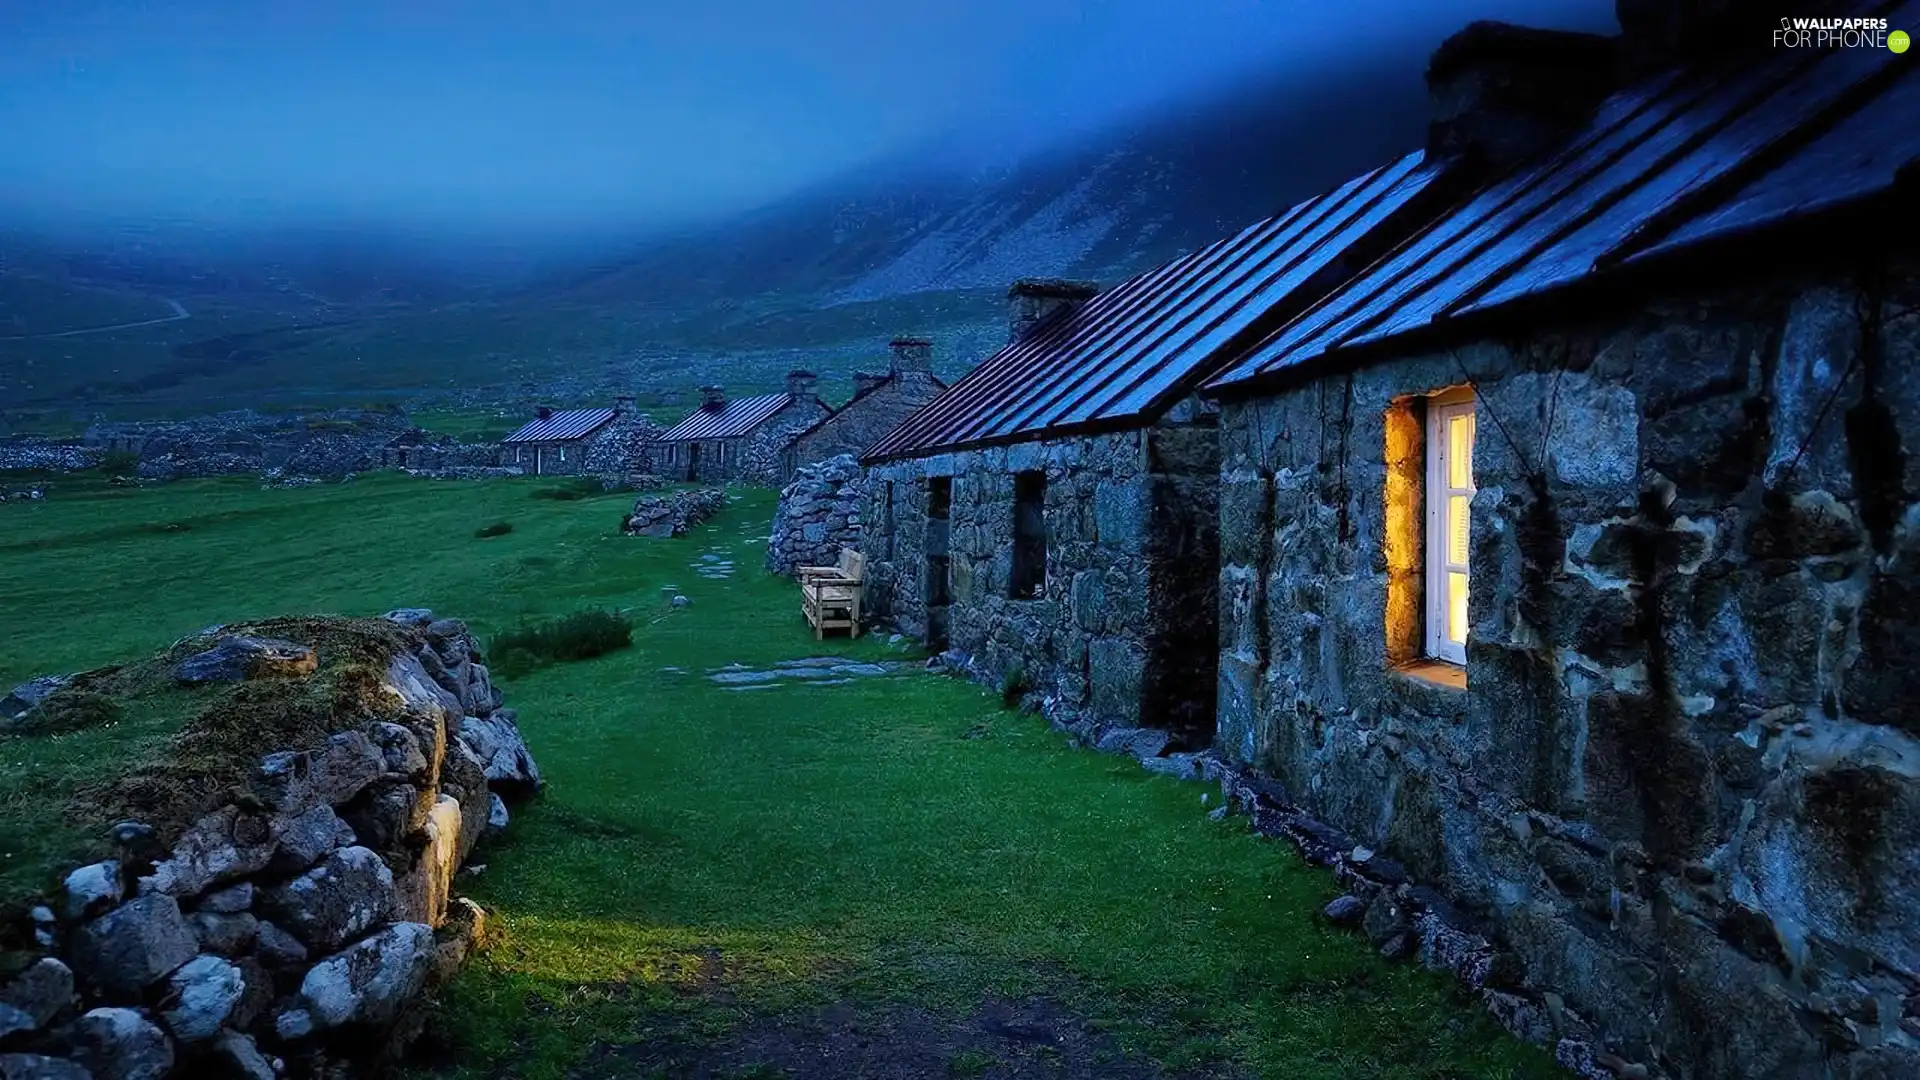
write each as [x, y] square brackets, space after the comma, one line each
[1450, 431]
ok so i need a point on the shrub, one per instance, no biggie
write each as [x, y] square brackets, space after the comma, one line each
[498, 528]
[579, 636]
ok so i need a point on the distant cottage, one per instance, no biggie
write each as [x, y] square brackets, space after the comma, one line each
[726, 440]
[879, 403]
[555, 442]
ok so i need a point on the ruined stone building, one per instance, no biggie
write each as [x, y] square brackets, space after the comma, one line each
[880, 402]
[1570, 552]
[1052, 515]
[743, 439]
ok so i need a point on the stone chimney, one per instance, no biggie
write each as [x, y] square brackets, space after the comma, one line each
[909, 354]
[1501, 94]
[543, 412]
[800, 384]
[623, 404]
[864, 381]
[1033, 301]
[1659, 34]
[713, 398]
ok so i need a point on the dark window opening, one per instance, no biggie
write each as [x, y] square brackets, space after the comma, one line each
[693, 461]
[1029, 535]
[937, 587]
[886, 517]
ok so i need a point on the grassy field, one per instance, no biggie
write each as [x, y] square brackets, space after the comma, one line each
[866, 879]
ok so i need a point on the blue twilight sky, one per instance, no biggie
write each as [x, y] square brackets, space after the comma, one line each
[485, 114]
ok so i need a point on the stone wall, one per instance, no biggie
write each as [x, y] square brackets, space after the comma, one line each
[1681, 781]
[625, 447]
[819, 513]
[292, 930]
[763, 454]
[1126, 613]
[862, 422]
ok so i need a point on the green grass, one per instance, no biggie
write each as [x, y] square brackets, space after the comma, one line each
[906, 839]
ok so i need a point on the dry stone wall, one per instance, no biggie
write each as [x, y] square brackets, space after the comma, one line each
[819, 513]
[292, 931]
[1682, 782]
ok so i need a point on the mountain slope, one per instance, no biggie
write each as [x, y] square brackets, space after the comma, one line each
[821, 279]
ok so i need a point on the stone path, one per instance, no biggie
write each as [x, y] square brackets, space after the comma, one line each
[811, 671]
[713, 565]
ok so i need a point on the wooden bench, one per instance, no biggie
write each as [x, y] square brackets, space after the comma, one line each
[830, 595]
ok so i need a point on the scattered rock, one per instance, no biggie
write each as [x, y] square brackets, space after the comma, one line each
[204, 993]
[410, 616]
[293, 1025]
[346, 895]
[496, 813]
[238, 657]
[681, 601]
[28, 695]
[1218, 813]
[368, 982]
[133, 946]
[1345, 910]
[1178, 766]
[91, 890]
[121, 1044]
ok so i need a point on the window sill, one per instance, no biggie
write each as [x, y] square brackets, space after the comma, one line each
[1437, 673]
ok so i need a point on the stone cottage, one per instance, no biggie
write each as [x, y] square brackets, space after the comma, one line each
[1052, 515]
[1570, 552]
[554, 442]
[880, 402]
[744, 439]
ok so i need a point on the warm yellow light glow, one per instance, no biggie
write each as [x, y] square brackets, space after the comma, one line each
[1457, 607]
[1459, 517]
[1460, 451]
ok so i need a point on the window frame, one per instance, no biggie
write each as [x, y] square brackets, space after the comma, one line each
[1442, 408]
[1029, 548]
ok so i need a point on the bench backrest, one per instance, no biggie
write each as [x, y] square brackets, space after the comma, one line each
[853, 564]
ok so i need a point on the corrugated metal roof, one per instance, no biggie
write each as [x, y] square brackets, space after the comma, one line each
[561, 426]
[736, 419]
[1130, 352]
[1663, 166]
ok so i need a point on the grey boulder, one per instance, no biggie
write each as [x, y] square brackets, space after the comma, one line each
[220, 847]
[28, 695]
[503, 754]
[347, 894]
[43, 991]
[307, 838]
[370, 981]
[91, 890]
[238, 657]
[294, 782]
[240, 1058]
[203, 994]
[133, 946]
[121, 1044]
